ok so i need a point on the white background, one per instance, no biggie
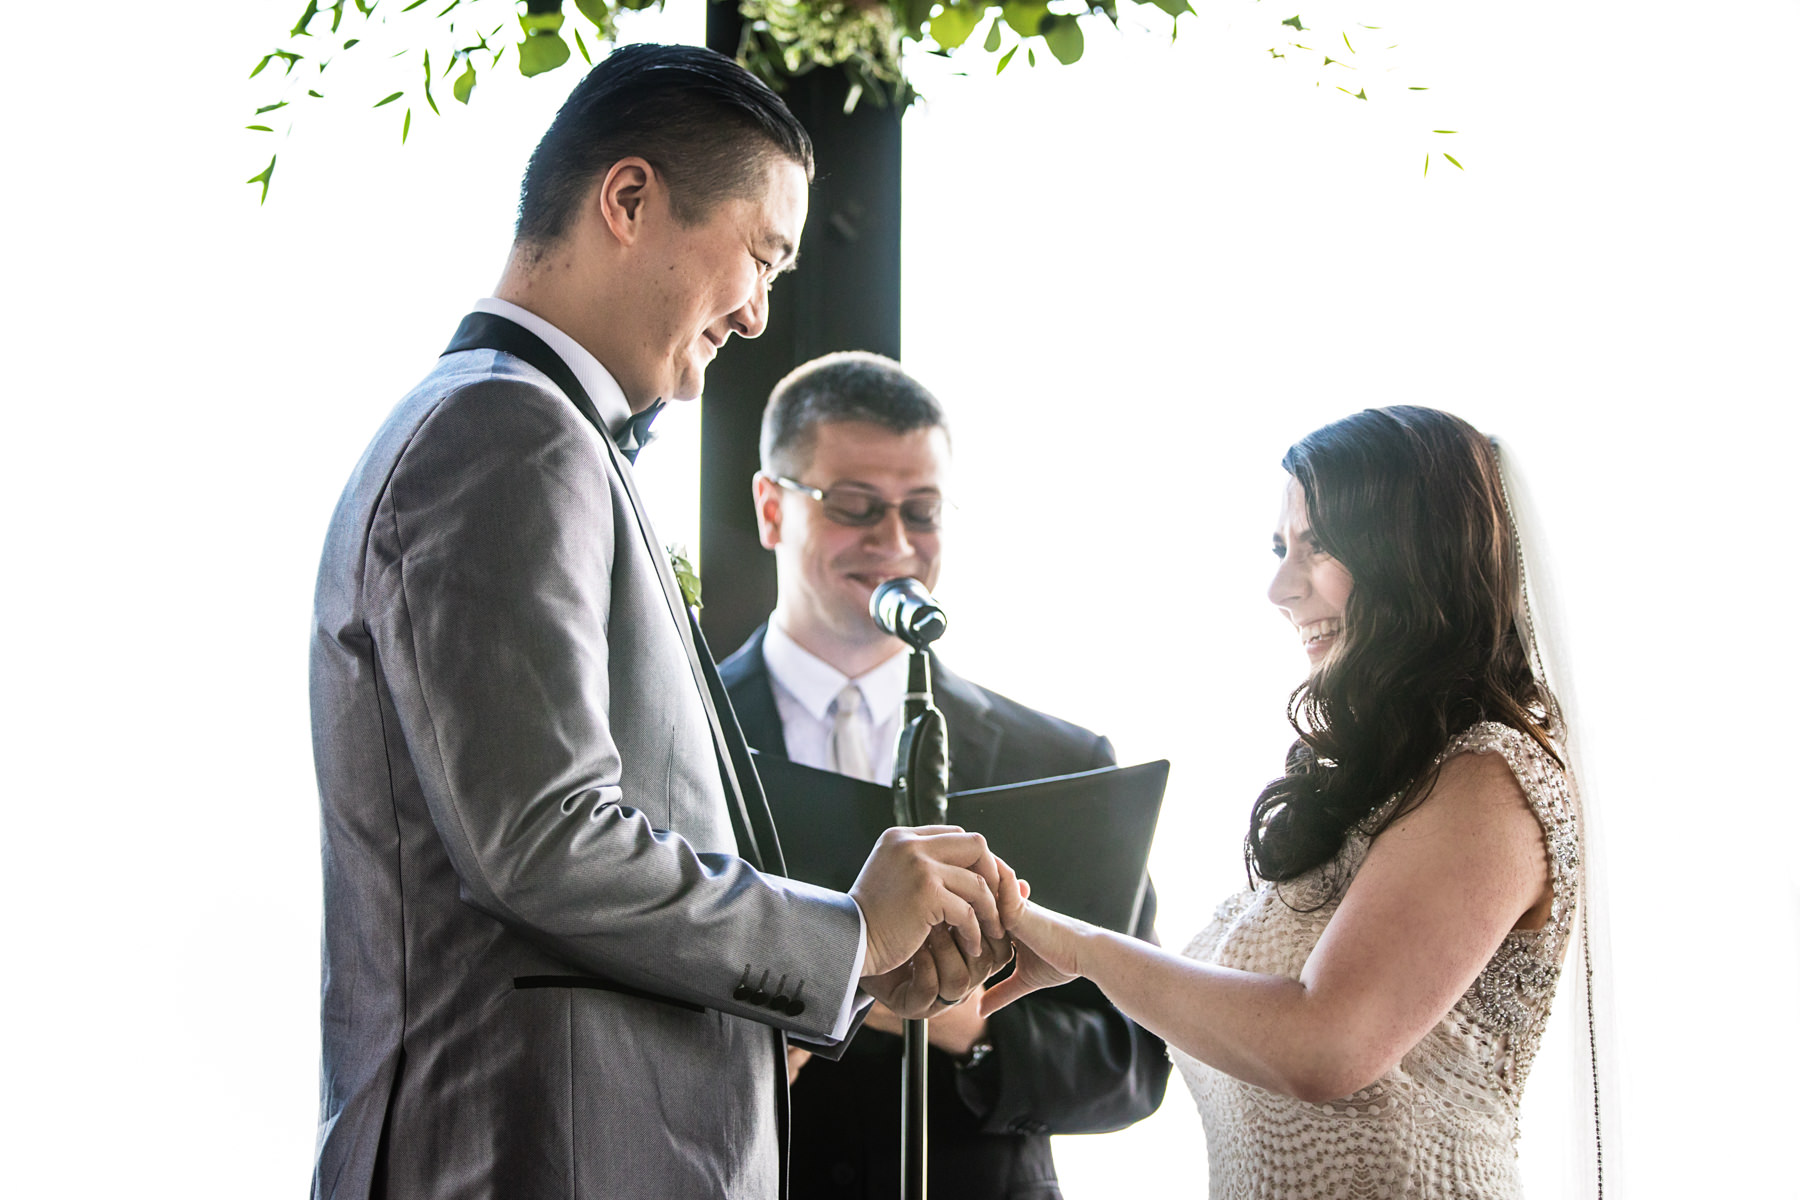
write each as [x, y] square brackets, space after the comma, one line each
[1134, 282]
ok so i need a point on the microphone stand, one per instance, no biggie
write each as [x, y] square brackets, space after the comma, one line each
[921, 797]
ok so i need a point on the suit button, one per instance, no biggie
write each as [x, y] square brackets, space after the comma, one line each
[741, 992]
[796, 1007]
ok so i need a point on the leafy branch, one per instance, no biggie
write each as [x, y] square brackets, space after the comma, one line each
[782, 40]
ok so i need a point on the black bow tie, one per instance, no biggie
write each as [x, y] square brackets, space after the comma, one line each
[635, 433]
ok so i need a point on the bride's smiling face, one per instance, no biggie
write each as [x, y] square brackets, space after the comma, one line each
[1310, 586]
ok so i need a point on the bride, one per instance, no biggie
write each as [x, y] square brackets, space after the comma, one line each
[1360, 1022]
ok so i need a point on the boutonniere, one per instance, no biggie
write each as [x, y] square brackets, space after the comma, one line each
[686, 578]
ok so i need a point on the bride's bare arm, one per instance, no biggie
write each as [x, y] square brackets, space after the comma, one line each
[1430, 905]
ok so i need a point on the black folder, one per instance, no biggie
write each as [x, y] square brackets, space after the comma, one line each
[1081, 840]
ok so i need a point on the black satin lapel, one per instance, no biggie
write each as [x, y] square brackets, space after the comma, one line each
[485, 331]
[744, 797]
[756, 803]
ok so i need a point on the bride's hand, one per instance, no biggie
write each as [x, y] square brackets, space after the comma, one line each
[1046, 944]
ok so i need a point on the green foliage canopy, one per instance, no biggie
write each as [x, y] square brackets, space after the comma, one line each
[782, 39]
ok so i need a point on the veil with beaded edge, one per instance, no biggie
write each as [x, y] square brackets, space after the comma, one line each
[1592, 1068]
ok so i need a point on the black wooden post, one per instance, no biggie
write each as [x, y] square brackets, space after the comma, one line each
[844, 295]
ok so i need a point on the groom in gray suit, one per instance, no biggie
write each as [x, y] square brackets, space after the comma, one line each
[559, 958]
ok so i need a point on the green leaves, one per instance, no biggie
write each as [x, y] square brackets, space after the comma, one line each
[1025, 16]
[299, 29]
[543, 48]
[1063, 35]
[686, 578]
[268, 173]
[287, 56]
[954, 23]
[428, 99]
[542, 52]
[782, 39]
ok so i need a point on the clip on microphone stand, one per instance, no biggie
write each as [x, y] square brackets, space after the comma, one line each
[921, 797]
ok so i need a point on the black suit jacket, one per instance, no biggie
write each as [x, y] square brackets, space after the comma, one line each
[1064, 1061]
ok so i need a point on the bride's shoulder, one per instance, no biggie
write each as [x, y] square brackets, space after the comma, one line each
[1502, 768]
[1535, 767]
[1494, 737]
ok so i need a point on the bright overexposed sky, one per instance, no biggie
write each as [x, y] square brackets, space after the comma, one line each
[1134, 282]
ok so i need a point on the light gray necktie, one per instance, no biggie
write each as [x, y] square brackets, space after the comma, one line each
[847, 749]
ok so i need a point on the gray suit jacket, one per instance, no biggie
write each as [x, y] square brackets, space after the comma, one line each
[537, 928]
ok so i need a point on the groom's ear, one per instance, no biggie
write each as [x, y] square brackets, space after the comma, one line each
[622, 197]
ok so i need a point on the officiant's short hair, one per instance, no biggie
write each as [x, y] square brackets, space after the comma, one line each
[708, 125]
[850, 385]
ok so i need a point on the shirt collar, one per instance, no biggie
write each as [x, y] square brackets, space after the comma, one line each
[608, 397]
[815, 683]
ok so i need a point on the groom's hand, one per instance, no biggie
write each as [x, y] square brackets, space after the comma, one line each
[917, 879]
[937, 977]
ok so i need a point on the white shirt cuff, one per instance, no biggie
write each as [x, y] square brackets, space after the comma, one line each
[847, 1009]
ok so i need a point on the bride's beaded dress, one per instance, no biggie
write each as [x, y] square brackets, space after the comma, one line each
[1444, 1122]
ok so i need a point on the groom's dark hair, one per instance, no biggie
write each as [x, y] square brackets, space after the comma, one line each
[708, 125]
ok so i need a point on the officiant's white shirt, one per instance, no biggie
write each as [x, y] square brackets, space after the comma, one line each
[806, 691]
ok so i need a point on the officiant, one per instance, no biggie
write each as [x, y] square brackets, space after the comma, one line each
[855, 458]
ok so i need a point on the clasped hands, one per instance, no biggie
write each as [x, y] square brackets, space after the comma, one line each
[943, 914]
[928, 899]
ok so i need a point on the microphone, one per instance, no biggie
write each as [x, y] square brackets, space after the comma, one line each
[905, 609]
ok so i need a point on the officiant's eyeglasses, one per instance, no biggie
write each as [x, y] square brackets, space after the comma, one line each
[860, 508]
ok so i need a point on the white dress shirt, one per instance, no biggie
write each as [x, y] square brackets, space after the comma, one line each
[609, 401]
[806, 690]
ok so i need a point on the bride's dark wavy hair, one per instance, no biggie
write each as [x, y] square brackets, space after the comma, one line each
[1409, 500]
